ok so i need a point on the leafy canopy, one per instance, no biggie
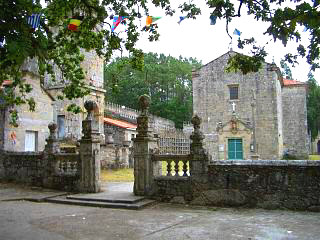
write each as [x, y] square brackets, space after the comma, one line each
[167, 80]
[313, 106]
[52, 42]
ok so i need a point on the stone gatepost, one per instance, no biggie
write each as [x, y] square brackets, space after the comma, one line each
[90, 152]
[52, 145]
[50, 165]
[199, 159]
[144, 145]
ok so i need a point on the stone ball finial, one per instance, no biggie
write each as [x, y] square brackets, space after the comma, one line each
[144, 102]
[52, 127]
[90, 105]
[196, 121]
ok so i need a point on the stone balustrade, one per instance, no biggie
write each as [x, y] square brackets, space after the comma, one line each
[67, 164]
[176, 165]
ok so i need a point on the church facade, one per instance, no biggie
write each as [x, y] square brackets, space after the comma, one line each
[253, 116]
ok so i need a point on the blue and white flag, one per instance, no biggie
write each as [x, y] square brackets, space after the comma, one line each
[236, 32]
[213, 20]
[34, 20]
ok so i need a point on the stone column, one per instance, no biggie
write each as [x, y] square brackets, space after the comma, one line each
[90, 152]
[144, 145]
[199, 159]
[52, 145]
[50, 164]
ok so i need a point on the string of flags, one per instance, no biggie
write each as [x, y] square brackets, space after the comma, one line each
[75, 22]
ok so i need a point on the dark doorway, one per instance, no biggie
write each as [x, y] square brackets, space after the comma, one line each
[318, 147]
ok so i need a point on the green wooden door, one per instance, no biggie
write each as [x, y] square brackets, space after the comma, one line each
[235, 151]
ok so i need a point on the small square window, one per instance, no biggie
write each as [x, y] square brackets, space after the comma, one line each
[234, 92]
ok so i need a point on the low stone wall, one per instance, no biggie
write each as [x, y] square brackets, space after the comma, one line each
[59, 171]
[113, 157]
[269, 184]
[21, 167]
[172, 188]
[274, 184]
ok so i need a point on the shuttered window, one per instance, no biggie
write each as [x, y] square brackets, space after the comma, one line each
[30, 144]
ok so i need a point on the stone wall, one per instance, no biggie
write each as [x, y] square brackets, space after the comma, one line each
[257, 105]
[36, 121]
[295, 120]
[113, 156]
[169, 188]
[267, 184]
[21, 167]
[59, 171]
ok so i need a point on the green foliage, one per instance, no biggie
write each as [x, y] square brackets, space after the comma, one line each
[286, 71]
[165, 79]
[52, 43]
[313, 106]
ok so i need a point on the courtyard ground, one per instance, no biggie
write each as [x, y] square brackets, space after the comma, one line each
[25, 220]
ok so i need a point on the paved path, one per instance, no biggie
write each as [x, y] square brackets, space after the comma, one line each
[24, 220]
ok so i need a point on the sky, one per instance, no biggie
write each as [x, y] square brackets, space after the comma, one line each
[198, 39]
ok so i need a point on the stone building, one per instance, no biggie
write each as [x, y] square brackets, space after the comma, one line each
[69, 124]
[253, 116]
[33, 129]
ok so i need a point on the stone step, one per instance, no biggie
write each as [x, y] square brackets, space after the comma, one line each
[104, 204]
[111, 197]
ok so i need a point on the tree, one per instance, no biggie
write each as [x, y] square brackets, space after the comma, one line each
[286, 71]
[166, 79]
[313, 106]
[19, 41]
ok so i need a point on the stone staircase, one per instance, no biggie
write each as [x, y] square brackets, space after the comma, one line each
[123, 200]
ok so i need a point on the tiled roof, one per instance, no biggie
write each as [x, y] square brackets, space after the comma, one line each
[6, 83]
[119, 123]
[287, 82]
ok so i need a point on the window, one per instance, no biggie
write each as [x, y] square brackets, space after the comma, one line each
[61, 126]
[234, 92]
[31, 141]
[235, 151]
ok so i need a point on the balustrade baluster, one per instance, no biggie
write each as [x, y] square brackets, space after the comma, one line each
[168, 167]
[65, 166]
[185, 168]
[176, 167]
[60, 166]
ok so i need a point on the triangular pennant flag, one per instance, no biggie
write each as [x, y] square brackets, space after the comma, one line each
[182, 18]
[213, 20]
[34, 20]
[236, 32]
[116, 21]
[151, 20]
[74, 23]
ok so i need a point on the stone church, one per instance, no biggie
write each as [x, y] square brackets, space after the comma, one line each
[254, 116]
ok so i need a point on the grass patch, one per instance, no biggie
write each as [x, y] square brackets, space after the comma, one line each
[117, 175]
[314, 157]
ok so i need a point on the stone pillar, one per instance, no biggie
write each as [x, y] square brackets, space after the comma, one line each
[199, 159]
[90, 152]
[50, 164]
[144, 145]
[52, 145]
